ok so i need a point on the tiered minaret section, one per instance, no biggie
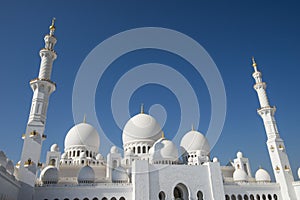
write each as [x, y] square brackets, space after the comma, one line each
[276, 148]
[42, 88]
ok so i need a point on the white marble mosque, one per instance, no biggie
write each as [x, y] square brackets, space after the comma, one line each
[151, 167]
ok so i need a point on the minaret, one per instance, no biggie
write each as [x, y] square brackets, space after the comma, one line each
[42, 88]
[279, 159]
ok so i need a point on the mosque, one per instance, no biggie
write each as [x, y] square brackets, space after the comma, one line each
[151, 167]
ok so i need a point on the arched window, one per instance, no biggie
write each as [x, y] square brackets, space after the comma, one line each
[246, 197]
[115, 163]
[66, 199]
[252, 197]
[87, 153]
[76, 199]
[180, 192]
[264, 197]
[227, 197]
[257, 197]
[144, 149]
[104, 198]
[200, 195]
[240, 197]
[233, 197]
[139, 149]
[161, 195]
[133, 150]
[122, 198]
[85, 199]
[95, 198]
[52, 162]
[275, 197]
[78, 153]
[269, 197]
[114, 198]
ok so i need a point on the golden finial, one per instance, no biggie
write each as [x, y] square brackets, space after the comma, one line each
[84, 118]
[162, 135]
[52, 27]
[253, 62]
[142, 108]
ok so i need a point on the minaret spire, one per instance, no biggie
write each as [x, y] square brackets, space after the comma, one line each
[52, 27]
[278, 155]
[254, 64]
[42, 87]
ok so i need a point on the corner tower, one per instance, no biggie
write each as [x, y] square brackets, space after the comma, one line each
[42, 87]
[279, 158]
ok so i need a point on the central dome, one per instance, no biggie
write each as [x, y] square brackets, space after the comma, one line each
[83, 134]
[141, 127]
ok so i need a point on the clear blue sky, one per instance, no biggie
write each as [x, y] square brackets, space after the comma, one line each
[231, 32]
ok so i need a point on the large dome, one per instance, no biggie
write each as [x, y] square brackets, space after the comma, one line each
[83, 134]
[141, 127]
[194, 140]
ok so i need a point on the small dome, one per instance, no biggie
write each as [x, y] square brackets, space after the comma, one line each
[83, 134]
[3, 158]
[141, 127]
[262, 175]
[239, 154]
[194, 140]
[163, 150]
[114, 149]
[128, 152]
[86, 175]
[10, 167]
[64, 155]
[99, 157]
[215, 159]
[54, 148]
[240, 175]
[119, 175]
[49, 175]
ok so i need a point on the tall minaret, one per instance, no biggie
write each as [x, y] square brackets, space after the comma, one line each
[276, 148]
[42, 87]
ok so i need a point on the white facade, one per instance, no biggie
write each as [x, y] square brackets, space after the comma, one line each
[152, 166]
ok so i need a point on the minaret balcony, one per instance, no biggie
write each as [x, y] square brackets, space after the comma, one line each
[42, 79]
[277, 169]
[272, 148]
